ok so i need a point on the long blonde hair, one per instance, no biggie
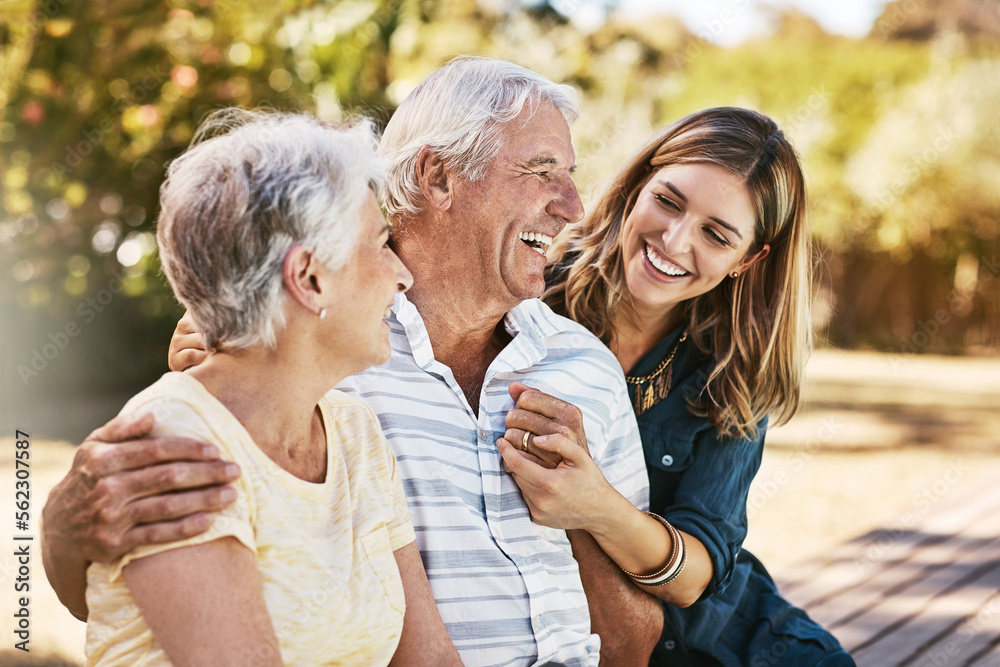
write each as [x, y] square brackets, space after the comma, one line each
[756, 327]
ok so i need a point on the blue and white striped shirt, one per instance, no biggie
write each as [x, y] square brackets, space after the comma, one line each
[508, 589]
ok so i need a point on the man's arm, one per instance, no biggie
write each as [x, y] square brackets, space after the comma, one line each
[628, 620]
[117, 497]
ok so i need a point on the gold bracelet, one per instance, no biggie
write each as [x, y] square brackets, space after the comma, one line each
[671, 559]
[673, 575]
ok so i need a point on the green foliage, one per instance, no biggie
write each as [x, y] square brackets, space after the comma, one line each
[900, 139]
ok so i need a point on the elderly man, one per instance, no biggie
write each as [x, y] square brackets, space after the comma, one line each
[480, 162]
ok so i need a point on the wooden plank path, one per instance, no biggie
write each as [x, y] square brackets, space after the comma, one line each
[924, 593]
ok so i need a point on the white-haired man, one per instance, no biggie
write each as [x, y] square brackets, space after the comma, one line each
[480, 161]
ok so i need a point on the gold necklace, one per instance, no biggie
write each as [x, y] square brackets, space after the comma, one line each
[658, 383]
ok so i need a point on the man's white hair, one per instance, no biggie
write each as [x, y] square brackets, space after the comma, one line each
[459, 112]
[252, 185]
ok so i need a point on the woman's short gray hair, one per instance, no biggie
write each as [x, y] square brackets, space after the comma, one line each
[252, 185]
[459, 112]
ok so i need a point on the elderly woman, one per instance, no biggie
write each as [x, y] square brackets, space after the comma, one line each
[271, 236]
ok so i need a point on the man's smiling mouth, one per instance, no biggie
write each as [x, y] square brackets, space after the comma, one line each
[662, 264]
[537, 241]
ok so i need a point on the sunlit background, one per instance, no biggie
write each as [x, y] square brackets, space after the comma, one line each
[894, 108]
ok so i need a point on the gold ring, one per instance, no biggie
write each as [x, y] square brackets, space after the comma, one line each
[524, 441]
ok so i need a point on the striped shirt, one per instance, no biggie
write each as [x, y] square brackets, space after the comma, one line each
[508, 589]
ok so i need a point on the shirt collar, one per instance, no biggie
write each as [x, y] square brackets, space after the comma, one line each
[529, 323]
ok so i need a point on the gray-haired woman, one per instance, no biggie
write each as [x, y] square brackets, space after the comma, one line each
[270, 234]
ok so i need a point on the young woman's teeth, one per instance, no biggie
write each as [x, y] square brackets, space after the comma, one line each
[538, 242]
[666, 267]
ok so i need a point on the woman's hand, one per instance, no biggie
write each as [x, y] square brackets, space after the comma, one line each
[186, 346]
[572, 494]
[538, 413]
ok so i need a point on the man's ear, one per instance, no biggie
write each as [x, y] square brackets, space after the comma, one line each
[304, 278]
[750, 260]
[434, 178]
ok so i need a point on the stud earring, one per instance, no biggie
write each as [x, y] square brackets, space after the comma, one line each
[322, 313]
[735, 274]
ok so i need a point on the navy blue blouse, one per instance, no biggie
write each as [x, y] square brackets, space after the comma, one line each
[699, 481]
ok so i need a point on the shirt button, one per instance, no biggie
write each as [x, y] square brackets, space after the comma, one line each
[484, 435]
[667, 460]
[669, 644]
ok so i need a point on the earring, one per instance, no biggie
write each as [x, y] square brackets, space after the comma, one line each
[322, 313]
[735, 274]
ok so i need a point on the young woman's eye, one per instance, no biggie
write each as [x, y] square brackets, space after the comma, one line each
[715, 237]
[666, 201]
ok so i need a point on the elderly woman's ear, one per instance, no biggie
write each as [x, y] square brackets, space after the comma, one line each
[306, 279]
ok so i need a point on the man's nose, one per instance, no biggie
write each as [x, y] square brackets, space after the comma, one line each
[403, 278]
[566, 204]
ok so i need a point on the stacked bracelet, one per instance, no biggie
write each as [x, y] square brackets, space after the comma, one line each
[675, 562]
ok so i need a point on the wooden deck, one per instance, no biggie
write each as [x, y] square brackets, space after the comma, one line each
[925, 592]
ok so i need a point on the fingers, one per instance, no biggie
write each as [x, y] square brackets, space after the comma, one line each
[517, 461]
[97, 460]
[170, 507]
[171, 477]
[186, 325]
[559, 445]
[122, 428]
[167, 531]
[542, 457]
[187, 348]
[543, 413]
[515, 389]
[535, 400]
[527, 420]
[186, 358]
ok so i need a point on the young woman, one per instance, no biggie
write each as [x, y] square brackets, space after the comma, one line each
[693, 266]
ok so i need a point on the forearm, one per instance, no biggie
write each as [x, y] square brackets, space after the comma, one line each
[425, 640]
[639, 543]
[628, 620]
[66, 569]
[67, 574]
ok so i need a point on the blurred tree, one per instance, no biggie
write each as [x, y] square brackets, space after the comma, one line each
[95, 99]
[899, 139]
[921, 21]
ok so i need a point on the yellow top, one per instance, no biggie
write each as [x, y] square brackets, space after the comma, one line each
[324, 550]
